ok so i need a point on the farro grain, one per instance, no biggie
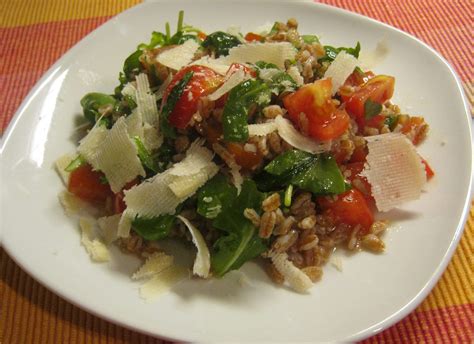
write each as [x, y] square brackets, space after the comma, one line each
[285, 226]
[353, 242]
[274, 141]
[274, 274]
[308, 242]
[378, 227]
[284, 242]
[313, 272]
[181, 143]
[267, 224]
[272, 111]
[252, 215]
[373, 243]
[308, 222]
[272, 202]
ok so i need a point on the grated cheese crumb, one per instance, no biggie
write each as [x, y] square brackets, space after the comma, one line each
[109, 227]
[296, 278]
[96, 249]
[61, 165]
[262, 129]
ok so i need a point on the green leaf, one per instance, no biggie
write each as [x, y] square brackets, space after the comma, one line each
[318, 174]
[274, 29]
[154, 228]
[331, 52]
[265, 65]
[76, 163]
[240, 241]
[280, 81]
[288, 196]
[371, 109]
[220, 42]
[164, 155]
[144, 155]
[92, 102]
[173, 97]
[215, 196]
[391, 121]
[236, 109]
[310, 39]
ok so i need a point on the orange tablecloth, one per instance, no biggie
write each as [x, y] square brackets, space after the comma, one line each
[34, 34]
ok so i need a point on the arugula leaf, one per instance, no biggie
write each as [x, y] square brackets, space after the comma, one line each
[279, 81]
[215, 196]
[240, 241]
[274, 29]
[331, 52]
[371, 109]
[145, 156]
[318, 174]
[241, 98]
[173, 97]
[155, 228]
[76, 163]
[391, 121]
[310, 39]
[92, 102]
[220, 42]
[265, 65]
[164, 155]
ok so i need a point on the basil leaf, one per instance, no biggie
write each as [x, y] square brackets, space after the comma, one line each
[220, 42]
[240, 241]
[371, 109]
[310, 39]
[241, 98]
[92, 102]
[331, 52]
[215, 196]
[154, 228]
[173, 97]
[76, 163]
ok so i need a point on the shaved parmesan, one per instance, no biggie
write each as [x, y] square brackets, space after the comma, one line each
[91, 143]
[197, 157]
[182, 186]
[202, 263]
[151, 138]
[156, 263]
[264, 29]
[337, 263]
[135, 124]
[146, 101]
[262, 129]
[61, 165]
[96, 249]
[340, 69]
[296, 278]
[125, 224]
[163, 282]
[234, 80]
[235, 31]
[109, 227]
[179, 56]
[75, 207]
[267, 74]
[292, 136]
[295, 75]
[130, 90]
[276, 53]
[219, 65]
[394, 170]
[117, 157]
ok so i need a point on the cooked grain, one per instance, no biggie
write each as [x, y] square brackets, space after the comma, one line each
[272, 202]
[267, 224]
[252, 215]
[284, 242]
[313, 272]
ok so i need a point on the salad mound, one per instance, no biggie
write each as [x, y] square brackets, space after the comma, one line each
[268, 145]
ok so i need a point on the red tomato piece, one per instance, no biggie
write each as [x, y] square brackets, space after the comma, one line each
[203, 82]
[378, 89]
[313, 111]
[415, 126]
[428, 170]
[357, 180]
[248, 160]
[350, 208]
[119, 204]
[253, 37]
[234, 67]
[357, 78]
[86, 184]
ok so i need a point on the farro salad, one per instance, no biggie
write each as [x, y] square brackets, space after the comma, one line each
[268, 146]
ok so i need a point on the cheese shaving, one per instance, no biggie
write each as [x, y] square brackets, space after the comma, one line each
[125, 224]
[289, 133]
[91, 143]
[179, 56]
[276, 53]
[337, 263]
[109, 227]
[151, 138]
[156, 263]
[394, 170]
[219, 65]
[61, 165]
[163, 282]
[234, 80]
[130, 90]
[262, 129]
[340, 69]
[202, 263]
[295, 75]
[75, 207]
[96, 249]
[135, 124]
[182, 186]
[164, 85]
[197, 157]
[146, 101]
[296, 278]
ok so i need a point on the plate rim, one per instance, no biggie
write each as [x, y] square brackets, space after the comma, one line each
[363, 334]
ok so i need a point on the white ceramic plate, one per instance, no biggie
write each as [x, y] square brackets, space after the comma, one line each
[370, 294]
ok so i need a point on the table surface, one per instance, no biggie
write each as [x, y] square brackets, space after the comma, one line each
[34, 34]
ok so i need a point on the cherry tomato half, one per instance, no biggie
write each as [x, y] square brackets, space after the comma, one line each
[88, 185]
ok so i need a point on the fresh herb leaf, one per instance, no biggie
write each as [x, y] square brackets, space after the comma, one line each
[265, 65]
[145, 157]
[274, 29]
[318, 174]
[173, 97]
[236, 110]
[310, 39]
[103, 180]
[220, 42]
[76, 163]
[331, 52]
[155, 228]
[371, 109]
[214, 196]
[164, 155]
[391, 121]
[240, 241]
[92, 102]
[277, 80]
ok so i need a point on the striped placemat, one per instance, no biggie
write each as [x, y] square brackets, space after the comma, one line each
[34, 34]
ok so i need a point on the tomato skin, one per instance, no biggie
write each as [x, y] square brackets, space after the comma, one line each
[325, 121]
[253, 37]
[203, 82]
[360, 154]
[119, 204]
[247, 160]
[362, 184]
[417, 125]
[350, 208]
[86, 184]
[357, 78]
[428, 170]
[378, 89]
[234, 67]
